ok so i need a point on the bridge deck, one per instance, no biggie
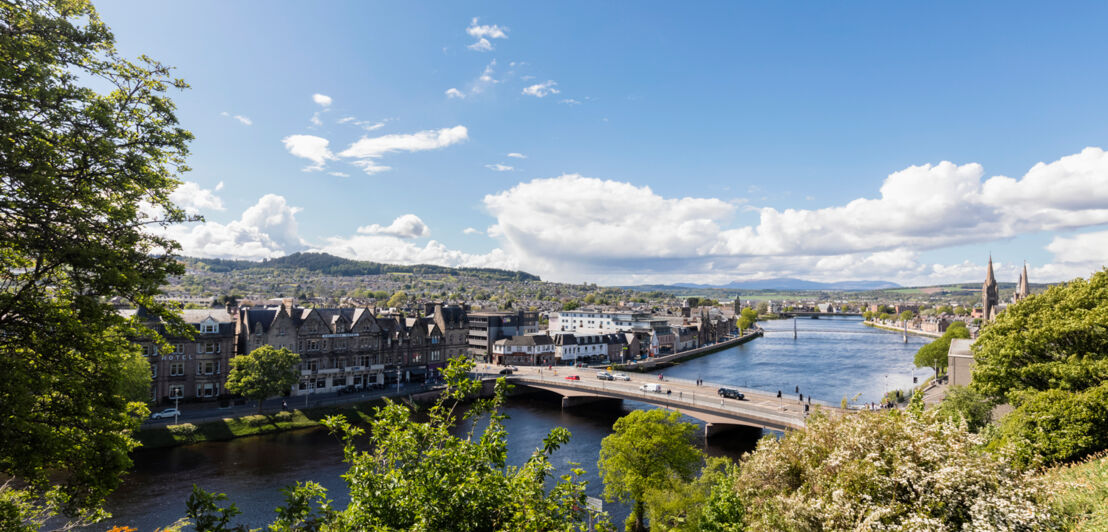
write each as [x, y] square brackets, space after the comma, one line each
[759, 409]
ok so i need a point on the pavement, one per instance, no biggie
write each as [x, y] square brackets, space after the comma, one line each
[210, 411]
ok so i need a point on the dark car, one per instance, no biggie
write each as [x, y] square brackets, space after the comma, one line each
[349, 388]
[730, 393]
[605, 376]
[506, 371]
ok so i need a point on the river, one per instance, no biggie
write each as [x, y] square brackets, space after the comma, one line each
[830, 359]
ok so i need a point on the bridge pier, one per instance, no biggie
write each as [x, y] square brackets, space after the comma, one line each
[715, 429]
[578, 400]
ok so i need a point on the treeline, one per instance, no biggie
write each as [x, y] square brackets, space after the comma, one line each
[332, 265]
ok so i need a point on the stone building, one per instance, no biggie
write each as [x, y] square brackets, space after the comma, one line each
[990, 297]
[192, 369]
[345, 346]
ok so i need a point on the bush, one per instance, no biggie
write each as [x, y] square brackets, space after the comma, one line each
[883, 471]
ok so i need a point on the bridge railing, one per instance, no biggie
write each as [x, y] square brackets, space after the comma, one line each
[707, 401]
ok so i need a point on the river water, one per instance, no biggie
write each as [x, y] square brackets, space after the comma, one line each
[829, 359]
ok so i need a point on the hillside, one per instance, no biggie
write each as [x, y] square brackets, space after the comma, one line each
[326, 264]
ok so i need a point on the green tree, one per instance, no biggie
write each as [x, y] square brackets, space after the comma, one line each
[763, 308]
[747, 318]
[934, 354]
[86, 176]
[704, 503]
[570, 305]
[649, 449]
[398, 299]
[907, 315]
[263, 373]
[964, 403]
[1047, 356]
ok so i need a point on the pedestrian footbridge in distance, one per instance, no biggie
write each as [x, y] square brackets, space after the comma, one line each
[758, 410]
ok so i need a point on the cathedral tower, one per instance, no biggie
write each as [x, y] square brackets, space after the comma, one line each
[989, 294]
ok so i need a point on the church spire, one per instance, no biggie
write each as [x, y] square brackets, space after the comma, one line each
[990, 296]
[1024, 288]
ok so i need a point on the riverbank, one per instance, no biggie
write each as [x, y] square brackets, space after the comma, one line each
[669, 360]
[164, 436]
[916, 332]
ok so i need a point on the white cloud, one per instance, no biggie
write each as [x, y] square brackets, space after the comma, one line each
[193, 199]
[322, 99]
[570, 101]
[266, 229]
[574, 225]
[242, 119]
[405, 226]
[364, 124]
[366, 151]
[483, 33]
[454, 93]
[482, 45]
[472, 231]
[516, 155]
[315, 120]
[339, 174]
[309, 147]
[499, 167]
[541, 90]
[394, 250]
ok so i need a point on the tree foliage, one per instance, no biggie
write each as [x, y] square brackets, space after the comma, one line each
[891, 470]
[1048, 357]
[416, 475]
[263, 373]
[935, 353]
[84, 175]
[705, 503]
[747, 318]
[963, 403]
[649, 449]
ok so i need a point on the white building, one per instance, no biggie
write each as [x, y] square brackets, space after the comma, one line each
[571, 347]
[592, 321]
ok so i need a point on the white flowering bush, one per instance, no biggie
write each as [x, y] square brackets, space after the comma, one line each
[887, 471]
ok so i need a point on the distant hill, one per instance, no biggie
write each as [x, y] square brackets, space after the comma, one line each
[332, 265]
[786, 283]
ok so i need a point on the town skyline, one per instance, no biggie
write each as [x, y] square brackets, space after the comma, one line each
[646, 146]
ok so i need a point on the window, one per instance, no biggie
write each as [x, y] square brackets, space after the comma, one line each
[149, 350]
[207, 390]
[209, 328]
[154, 371]
[176, 392]
[176, 369]
[207, 367]
[178, 348]
[338, 381]
[303, 385]
[321, 383]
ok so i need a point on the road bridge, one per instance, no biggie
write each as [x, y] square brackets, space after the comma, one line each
[803, 314]
[759, 409]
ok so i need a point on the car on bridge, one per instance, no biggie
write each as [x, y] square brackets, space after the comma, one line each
[605, 376]
[731, 393]
[621, 377]
[573, 378]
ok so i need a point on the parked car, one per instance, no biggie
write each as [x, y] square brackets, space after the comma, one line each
[350, 388]
[731, 393]
[604, 376]
[573, 378]
[506, 371]
[621, 377]
[651, 387]
[167, 413]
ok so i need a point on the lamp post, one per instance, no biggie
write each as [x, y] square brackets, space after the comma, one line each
[176, 409]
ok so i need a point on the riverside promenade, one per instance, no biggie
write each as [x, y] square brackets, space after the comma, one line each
[671, 359]
[893, 328]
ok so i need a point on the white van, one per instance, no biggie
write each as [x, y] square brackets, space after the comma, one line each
[651, 387]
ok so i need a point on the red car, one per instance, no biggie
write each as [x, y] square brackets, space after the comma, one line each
[573, 378]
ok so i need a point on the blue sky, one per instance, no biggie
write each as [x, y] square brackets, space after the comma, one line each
[660, 142]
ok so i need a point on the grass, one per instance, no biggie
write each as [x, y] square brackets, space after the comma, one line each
[231, 428]
[1083, 493]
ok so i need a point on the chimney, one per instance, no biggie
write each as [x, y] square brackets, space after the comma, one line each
[288, 303]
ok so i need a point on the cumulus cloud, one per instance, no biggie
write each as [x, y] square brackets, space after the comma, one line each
[315, 120]
[483, 33]
[266, 229]
[241, 119]
[193, 199]
[454, 93]
[578, 224]
[498, 167]
[322, 99]
[366, 151]
[515, 155]
[405, 226]
[309, 147]
[472, 231]
[541, 90]
[394, 250]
